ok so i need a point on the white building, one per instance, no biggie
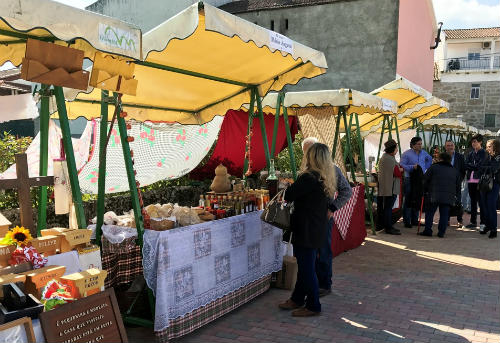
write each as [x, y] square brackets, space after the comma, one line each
[468, 75]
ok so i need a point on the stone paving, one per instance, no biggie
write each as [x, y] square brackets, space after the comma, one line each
[391, 289]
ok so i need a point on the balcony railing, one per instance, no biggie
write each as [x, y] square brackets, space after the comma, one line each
[481, 63]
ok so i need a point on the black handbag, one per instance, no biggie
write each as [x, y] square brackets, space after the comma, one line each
[485, 183]
[278, 212]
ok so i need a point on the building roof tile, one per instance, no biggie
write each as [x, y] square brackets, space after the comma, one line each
[257, 5]
[486, 32]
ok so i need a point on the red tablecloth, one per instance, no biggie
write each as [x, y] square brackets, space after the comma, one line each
[357, 230]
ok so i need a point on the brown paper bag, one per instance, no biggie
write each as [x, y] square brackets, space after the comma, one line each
[287, 276]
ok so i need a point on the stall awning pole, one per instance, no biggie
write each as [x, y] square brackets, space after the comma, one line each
[249, 130]
[44, 157]
[70, 157]
[289, 140]
[263, 128]
[101, 180]
[276, 123]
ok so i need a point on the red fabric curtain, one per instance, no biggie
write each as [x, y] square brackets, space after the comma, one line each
[230, 147]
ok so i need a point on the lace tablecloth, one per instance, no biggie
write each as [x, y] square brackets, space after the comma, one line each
[192, 266]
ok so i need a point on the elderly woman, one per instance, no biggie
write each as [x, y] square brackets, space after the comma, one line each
[310, 193]
[491, 166]
[388, 187]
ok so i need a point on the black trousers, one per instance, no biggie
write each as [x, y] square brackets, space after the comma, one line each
[384, 211]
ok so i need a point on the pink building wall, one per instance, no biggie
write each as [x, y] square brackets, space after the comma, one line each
[415, 59]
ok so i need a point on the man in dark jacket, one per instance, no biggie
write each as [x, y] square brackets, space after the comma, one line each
[441, 187]
[472, 164]
[458, 162]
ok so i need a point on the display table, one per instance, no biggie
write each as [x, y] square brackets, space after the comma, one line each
[198, 273]
[191, 267]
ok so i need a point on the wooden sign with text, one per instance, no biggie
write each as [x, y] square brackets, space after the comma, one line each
[47, 245]
[5, 253]
[93, 319]
[71, 239]
[37, 279]
[85, 283]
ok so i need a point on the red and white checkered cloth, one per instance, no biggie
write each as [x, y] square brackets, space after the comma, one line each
[342, 216]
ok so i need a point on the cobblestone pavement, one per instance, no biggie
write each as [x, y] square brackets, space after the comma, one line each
[391, 289]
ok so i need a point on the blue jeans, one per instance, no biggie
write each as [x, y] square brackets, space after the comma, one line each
[475, 198]
[410, 215]
[324, 260]
[444, 216]
[489, 206]
[307, 281]
[465, 196]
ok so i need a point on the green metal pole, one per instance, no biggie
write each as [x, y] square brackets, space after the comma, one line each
[389, 124]
[250, 122]
[263, 128]
[421, 126]
[348, 142]
[44, 157]
[70, 157]
[289, 141]
[367, 189]
[350, 128]
[381, 138]
[276, 123]
[336, 138]
[101, 181]
[134, 196]
[396, 128]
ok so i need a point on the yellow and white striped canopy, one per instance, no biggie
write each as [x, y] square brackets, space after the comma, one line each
[64, 25]
[203, 62]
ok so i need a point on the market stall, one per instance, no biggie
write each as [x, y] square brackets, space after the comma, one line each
[324, 115]
[187, 79]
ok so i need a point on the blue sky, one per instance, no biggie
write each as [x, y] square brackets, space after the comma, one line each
[454, 13]
[467, 14]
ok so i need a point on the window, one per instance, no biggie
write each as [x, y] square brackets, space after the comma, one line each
[489, 120]
[272, 25]
[286, 24]
[473, 56]
[474, 91]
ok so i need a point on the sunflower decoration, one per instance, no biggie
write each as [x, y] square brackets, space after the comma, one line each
[18, 236]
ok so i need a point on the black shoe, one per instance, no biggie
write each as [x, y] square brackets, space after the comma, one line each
[440, 235]
[471, 226]
[324, 291]
[493, 234]
[392, 231]
[408, 226]
[424, 233]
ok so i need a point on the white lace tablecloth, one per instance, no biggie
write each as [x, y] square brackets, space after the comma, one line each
[192, 266]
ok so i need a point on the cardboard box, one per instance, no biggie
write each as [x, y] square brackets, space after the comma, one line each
[85, 283]
[37, 279]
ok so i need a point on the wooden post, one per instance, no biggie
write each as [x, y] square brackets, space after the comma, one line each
[23, 183]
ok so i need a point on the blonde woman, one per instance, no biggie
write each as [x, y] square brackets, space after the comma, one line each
[316, 184]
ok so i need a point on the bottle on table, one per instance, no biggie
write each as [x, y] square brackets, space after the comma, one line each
[207, 201]
[201, 203]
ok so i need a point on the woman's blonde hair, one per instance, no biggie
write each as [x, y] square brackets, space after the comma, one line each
[495, 144]
[319, 159]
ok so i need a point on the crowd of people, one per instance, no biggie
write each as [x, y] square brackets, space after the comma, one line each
[437, 182]
[428, 184]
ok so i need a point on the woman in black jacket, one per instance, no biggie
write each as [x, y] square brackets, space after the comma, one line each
[491, 166]
[441, 189]
[310, 194]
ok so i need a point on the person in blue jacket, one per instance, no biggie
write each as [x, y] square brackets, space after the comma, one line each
[410, 159]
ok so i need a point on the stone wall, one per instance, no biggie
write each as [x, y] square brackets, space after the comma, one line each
[183, 195]
[471, 110]
[358, 38]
